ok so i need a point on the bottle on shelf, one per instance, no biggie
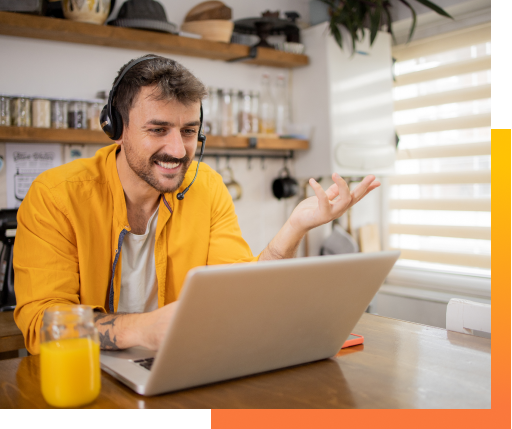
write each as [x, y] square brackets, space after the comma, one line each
[5, 111]
[267, 107]
[244, 113]
[226, 126]
[255, 107]
[282, 110]
[20, 111]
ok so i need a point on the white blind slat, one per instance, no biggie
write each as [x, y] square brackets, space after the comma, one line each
[443, 42]
[446, 151]
[482, 176]
[472, 205]
[456, 96]
[460, 123]
[447, 70]
[469, 260]
[475, 232]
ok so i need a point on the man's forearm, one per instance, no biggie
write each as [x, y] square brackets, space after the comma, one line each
[284, 245]
[117, 331]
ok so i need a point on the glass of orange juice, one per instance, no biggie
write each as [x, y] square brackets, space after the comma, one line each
[70, 356]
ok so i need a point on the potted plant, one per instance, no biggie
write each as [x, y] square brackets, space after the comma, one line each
[356, 16]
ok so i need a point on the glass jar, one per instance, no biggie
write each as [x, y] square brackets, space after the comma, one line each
[59, 114]
[255, 108]
[234, 111]
[70, 356]
[5, 111]
[214, 111]
[244, 113]
[20, 112]
[77, 114]
[282, 111]
[267, 107]
[226, 127]
[41, 113]
[93, 114]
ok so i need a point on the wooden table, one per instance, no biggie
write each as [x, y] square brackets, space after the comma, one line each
[401, 365]
[11, 337]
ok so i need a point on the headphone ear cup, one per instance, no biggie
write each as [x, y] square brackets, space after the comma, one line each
[106, 122]
[117, 124]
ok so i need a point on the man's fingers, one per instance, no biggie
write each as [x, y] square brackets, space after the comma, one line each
[320, 193]
[369, 183]
[374, 185]
[343, 189]
[333, 191]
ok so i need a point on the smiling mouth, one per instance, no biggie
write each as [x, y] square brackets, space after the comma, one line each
[168, 165]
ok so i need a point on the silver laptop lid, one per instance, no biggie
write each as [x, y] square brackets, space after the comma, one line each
[236, 320]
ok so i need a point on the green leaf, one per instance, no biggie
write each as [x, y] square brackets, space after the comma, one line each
[389, 22]
[413, 26]
[435, 8]
[374, 24]
[335, 31]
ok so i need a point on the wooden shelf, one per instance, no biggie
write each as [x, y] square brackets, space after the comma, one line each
[36, 27]
[72, 136]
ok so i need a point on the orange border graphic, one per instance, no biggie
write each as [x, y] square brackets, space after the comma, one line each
[499, 414]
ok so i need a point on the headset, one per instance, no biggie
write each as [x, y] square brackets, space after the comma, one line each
[111, 121]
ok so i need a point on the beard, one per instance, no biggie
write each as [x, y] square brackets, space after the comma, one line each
[145, 170]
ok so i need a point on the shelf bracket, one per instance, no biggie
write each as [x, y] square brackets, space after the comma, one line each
[253, 53]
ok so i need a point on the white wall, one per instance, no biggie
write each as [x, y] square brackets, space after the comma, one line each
[59, 69]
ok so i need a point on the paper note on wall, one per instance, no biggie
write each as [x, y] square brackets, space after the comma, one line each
[24, 162]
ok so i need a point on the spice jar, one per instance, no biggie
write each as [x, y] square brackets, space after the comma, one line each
[70, 356]
[212, 119]
[41, 113]
[20, 112]
[255, 107]
[59, 114]
[234, 111]
[244, 113]
[93, 114]
[5, 111]
[226, 123]
[77, 114]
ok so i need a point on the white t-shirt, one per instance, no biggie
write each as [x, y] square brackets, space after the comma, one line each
[139, 286]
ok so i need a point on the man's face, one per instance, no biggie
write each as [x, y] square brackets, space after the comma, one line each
[161, 139]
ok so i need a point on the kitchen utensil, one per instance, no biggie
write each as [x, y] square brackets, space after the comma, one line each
[285, 186]
[234, 188]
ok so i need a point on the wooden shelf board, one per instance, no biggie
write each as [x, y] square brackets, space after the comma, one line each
[36, 27]
[72, 136]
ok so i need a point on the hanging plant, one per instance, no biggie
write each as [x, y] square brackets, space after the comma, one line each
[360, 15]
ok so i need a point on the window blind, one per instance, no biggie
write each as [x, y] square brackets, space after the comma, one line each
[440, 196]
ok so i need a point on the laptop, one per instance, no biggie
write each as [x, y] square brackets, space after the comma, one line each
[242, 319]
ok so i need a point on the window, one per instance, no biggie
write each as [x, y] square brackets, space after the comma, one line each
[440, 197]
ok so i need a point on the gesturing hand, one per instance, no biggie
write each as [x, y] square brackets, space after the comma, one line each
[329, 205]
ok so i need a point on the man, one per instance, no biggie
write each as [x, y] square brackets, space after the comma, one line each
[110, 232]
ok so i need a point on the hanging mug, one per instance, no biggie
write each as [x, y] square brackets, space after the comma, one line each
[285, 186]
[91, 11]
[234, 188]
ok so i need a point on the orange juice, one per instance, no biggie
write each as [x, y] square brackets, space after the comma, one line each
[70, 371]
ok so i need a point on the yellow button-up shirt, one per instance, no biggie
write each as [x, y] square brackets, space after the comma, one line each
[70, 230]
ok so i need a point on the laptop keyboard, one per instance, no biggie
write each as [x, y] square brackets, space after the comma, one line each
[145, 363]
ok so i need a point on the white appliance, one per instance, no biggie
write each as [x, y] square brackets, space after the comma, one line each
[348, 101]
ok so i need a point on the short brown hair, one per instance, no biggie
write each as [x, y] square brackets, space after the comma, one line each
[173, 81]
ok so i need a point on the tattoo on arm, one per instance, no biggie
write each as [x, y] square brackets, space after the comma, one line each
[106, 343]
